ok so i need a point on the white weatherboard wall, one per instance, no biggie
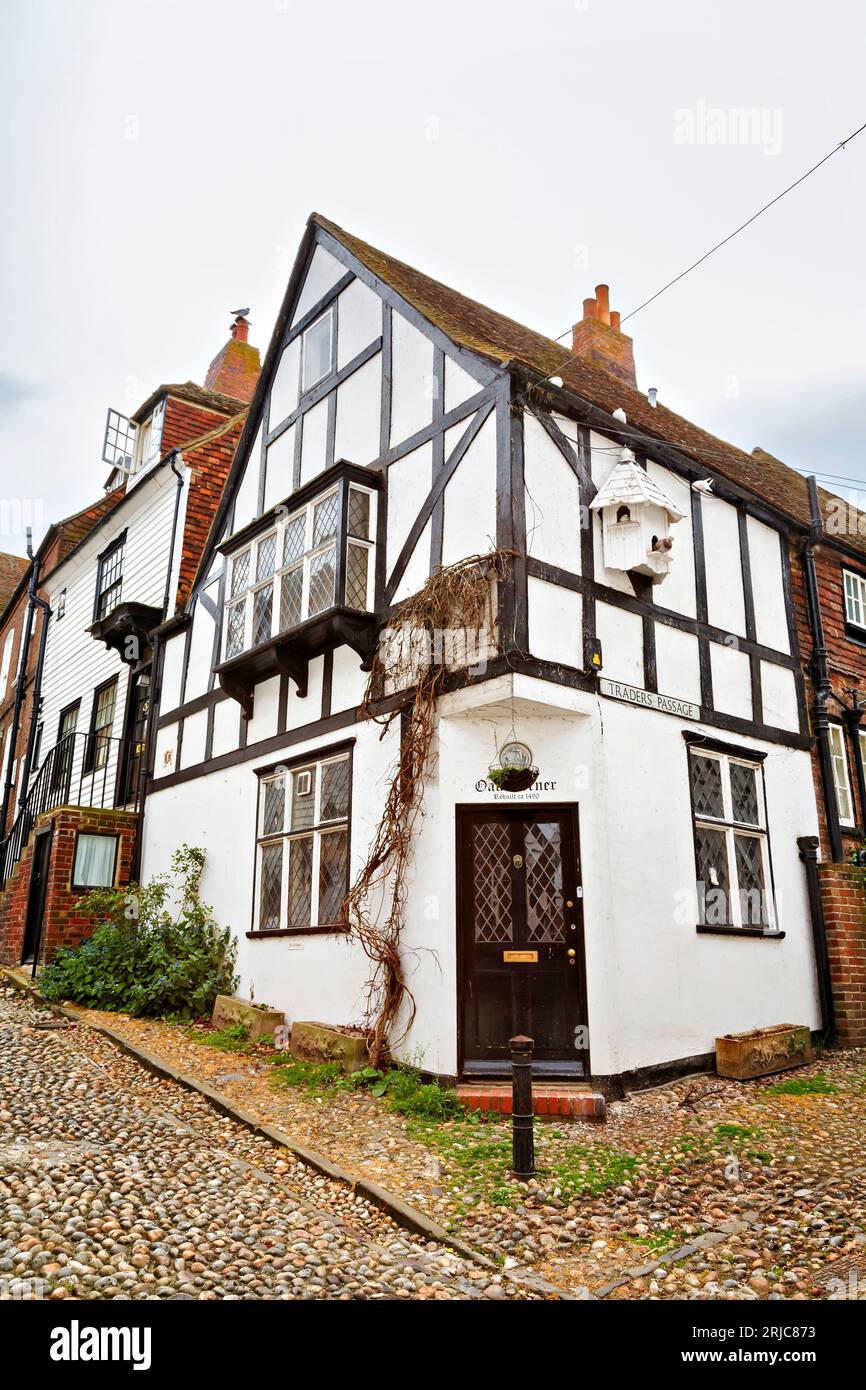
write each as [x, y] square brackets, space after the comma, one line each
[75, 664]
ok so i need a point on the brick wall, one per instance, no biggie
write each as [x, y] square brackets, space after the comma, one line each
[843, 893]
[847, 662]
[64, 924]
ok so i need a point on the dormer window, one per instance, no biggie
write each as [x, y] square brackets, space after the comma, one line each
[317, 351]
[149, 444]
[301, 568]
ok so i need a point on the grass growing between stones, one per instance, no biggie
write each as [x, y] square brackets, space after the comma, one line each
[401, 1088]
[817, 1085]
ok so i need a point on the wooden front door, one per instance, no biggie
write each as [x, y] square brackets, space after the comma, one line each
[36, 896]
[521, 930]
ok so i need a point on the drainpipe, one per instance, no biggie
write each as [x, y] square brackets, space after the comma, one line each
[808, 848]
[35, 565]
[37, 699]
[820, 675]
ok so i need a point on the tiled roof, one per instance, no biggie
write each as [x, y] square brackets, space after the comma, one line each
[196, 395]
[12, 569]
[500, 339]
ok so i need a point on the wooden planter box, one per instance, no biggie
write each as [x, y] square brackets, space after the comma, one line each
[228, 1010]
[763, 1051]
[319, 1042]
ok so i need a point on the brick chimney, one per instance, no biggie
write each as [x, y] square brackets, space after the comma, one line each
[235, 369]
[598, 338]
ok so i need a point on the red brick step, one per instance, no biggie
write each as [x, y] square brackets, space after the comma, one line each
[568, 1100]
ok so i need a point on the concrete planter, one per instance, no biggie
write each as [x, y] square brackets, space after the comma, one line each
[228, 1010]
[317, 1042]
[763, 1051]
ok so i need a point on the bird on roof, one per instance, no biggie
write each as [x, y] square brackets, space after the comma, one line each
[240, 313]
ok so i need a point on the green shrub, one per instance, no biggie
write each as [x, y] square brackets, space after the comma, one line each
[142, 960]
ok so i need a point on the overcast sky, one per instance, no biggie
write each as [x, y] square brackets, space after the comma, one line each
[160, 157]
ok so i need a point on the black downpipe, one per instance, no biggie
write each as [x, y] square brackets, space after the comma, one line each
[808, 847]
[35, 566]
[37, 700]
[821, 676]
[178, 490]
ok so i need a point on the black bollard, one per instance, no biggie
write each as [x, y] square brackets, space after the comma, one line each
[522, 1138]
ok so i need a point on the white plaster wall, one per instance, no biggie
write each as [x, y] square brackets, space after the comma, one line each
[194, 737]
[314, 440]
[284, 389]
[409, 481]
[732, 680]
[459, 385]
[348, 681]
[359, 321]
[678, 669]
[779, 696]
[555, 623]
[412, 380]
[621, 635]
[323, 272]
[280, 468]
[247, 493]
[172, 672]
[552, 500]
[201, 640]
[226, 726]
[725, 604]
[469, 526]
[765, 557]
[417, 569]
[358, 414]
[264, 721]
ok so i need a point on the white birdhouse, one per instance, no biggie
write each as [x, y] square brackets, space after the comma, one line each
[636, 518]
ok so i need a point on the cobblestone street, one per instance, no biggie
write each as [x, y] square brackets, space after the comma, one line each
[115, 1184]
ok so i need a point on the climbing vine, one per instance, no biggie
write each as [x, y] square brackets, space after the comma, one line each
[444, 626]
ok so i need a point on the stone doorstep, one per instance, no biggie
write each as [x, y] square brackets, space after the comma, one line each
[564, 1100]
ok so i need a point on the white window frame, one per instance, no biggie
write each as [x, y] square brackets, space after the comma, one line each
[6, 662]
[329, 316]
[730, 828]
[305, 561]
[148, 442]
[841, 773]
[855, 598]
[317, 830]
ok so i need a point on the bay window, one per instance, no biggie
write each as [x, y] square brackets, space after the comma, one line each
[732, 859]
[317, 558]
[302, 868]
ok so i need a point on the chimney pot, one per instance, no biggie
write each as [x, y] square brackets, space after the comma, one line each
[602, 295]
[614, 319]
[240, 330]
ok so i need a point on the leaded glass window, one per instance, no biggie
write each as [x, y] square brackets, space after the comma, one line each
[303, 845]
[734, 887]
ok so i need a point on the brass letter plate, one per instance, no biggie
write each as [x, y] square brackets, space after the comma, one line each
[520, 957]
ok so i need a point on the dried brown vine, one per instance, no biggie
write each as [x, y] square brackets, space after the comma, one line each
[406, 678]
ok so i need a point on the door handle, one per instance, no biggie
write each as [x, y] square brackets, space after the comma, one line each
[571, 956]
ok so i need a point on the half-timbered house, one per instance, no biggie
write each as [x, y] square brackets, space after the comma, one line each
[646, 893]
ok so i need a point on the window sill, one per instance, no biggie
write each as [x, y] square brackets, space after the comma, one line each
[759, 932]
[855, 634]
[335, 930]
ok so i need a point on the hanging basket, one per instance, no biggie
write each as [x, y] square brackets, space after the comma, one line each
[512, 779]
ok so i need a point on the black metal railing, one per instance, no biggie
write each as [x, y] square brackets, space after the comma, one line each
[93, 770]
